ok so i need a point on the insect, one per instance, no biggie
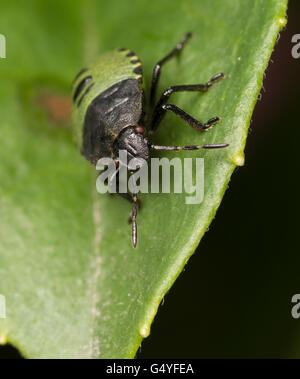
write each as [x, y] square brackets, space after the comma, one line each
[108, 112]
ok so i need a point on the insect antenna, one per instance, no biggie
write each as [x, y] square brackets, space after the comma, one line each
[135, 207]
[190, 147]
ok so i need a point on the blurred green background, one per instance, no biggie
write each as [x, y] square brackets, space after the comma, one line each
[234, 298]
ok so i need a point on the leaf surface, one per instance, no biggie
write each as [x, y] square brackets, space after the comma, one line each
[74, 286]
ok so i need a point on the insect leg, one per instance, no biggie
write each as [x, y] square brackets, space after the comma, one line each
[157, 67]
[187, 118]
[135, 208]
[159, 112]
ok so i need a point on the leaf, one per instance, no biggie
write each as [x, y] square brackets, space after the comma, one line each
[74, 286]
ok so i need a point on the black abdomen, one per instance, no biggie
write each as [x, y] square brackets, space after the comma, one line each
[113, 110]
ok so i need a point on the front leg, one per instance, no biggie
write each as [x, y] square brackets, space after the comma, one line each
[159, 64]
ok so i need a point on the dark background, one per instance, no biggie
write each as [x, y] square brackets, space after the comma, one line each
[234, 298]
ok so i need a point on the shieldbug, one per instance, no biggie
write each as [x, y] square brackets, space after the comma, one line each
[108, 107]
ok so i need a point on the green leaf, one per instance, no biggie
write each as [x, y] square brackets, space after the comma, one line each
[74, 286]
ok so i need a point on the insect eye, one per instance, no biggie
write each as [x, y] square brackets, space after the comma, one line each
[139, 130]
